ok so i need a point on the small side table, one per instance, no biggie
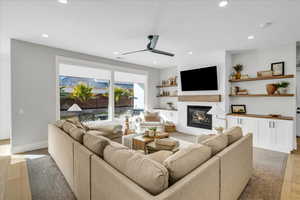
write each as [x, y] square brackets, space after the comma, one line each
[140, 142]
[151, 147]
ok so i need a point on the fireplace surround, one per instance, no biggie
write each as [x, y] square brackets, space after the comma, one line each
[197, 117]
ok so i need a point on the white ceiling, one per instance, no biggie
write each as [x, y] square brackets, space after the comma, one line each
[101, 27]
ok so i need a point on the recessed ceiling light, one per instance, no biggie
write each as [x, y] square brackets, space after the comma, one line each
[190, 53]
[63, 1]
[45, 35]
[223, 3]
[154, 62]
[116, 53]
[251, 37]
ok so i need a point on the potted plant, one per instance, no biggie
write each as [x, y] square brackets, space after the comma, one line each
[238, 68]
[152, 131]
[282, 87]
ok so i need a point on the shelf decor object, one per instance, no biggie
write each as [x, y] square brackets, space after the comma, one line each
[238, 109]
[238, 69]
[271, 88]
[277, 68]
[263, 78]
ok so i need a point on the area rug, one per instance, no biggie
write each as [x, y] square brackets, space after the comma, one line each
[268, 175]
[46, 181]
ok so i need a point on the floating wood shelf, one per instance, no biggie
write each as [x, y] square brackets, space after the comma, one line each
[262, 95]
[165, 86]
[168, 96]
[261, 116]
[200, 98]
[263, 78]
[165, 109]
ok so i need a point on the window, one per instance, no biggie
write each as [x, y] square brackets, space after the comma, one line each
[95, 94]
[85, 97]
[129, 93]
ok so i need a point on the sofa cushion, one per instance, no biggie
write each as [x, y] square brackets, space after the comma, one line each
[186, 160]
[160, 156]
[217, 143]
[76, 122]
[148, 174]
[68, 126]
[110, 131]
[77, 134]
[59, 123]
[96, 144]
[109, 135]
[234, 134]
[203, 137]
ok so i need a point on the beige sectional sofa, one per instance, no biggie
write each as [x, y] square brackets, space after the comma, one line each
[98, 168]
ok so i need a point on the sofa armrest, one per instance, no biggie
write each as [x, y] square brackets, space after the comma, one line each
[60, 147]
[236, 167]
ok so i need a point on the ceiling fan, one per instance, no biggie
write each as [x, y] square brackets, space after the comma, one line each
[151, 47]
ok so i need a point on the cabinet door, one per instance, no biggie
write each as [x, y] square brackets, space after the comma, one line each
[233, 121]
[266, 137]
[283, 135]
[250, 125]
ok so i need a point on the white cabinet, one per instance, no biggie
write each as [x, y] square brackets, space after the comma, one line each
[248, 125]
[266, 137]
[269, 134]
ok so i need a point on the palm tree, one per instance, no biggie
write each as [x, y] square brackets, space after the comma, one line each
[82, 92]
[119, 92]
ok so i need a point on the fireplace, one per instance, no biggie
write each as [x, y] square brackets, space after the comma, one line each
[197, 117]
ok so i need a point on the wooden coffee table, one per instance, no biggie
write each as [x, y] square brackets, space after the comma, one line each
[140, 142]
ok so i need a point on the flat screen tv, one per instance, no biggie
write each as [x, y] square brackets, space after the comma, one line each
[199, 79]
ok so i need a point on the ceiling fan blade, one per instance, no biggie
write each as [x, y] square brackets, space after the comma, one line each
[153, 41]
[162, 52]
[131, 52]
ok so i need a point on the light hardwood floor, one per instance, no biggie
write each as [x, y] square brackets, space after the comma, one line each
[18, 187]
[291, 184]
[17, 184]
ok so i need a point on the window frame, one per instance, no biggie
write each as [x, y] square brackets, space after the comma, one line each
[112, 68]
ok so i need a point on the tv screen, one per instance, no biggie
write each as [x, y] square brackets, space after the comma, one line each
[199, 79]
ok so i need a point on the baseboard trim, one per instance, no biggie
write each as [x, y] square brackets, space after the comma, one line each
[29, 147]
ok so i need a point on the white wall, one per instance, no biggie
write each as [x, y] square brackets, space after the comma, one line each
[4, 97]
[260, 60]
[216, 59]
[33, 70]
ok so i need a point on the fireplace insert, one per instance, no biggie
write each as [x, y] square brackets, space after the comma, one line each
[197, 117]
